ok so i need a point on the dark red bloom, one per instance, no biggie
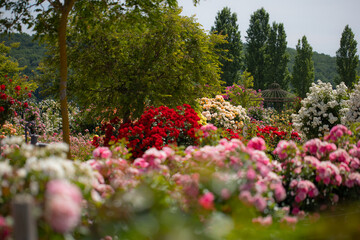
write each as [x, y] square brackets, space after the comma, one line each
[18, 88]
[2, 109]
[3, 87]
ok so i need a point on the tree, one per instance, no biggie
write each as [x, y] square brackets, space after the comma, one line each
[165, 59]
[303, 72]
[257, 35]
[346, 58]
[51, 20]
[7, 65]
[226, 24]
[277, 58]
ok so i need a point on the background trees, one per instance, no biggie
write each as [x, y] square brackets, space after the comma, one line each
[257, 35]
[303, 73]
[276, 57]
[346, 59]
[231, 61]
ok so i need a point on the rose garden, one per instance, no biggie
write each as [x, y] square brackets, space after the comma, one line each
[218, 172]
[139, 124]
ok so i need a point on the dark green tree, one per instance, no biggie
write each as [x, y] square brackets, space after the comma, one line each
[257, 35]
[346, 58]
[277, 57]
[232, 60]
[303, 72]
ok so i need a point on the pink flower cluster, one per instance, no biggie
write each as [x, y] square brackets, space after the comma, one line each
[207, 129]
[319, 167]
[303, 189]
[63, 205]
[337, 132]
[286, 149]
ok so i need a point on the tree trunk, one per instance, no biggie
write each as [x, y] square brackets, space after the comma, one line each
[63, 71]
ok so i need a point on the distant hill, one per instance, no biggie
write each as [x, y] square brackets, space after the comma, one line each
[30, 54]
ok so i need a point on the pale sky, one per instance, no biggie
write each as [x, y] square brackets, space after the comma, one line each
[322, 21]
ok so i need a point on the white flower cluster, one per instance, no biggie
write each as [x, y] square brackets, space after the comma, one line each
[24, 161]
[323, 108]
[222, 114]
[51, 115]
[353, 115]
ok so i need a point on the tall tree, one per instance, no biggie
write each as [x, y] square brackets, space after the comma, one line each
[50, 18]
[257, 35]
[129, 65]
[346, 58]
[303, 71]
[226, 24]
[277, 57]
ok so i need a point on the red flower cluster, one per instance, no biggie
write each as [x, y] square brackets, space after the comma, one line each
[157, 127]
[11, 98]
[272, 135]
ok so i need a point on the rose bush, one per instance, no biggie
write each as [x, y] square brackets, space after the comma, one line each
[322, 109]
[157, 127]
[222, 114]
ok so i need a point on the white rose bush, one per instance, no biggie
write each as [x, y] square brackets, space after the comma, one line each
[353, 114]
[322, 109]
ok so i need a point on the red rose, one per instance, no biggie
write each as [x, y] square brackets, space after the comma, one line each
[3, 87]
[29, 94]
[2, 109]
[17, 88]
[25, 105]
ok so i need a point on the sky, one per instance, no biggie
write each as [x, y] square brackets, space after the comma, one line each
[321, 21]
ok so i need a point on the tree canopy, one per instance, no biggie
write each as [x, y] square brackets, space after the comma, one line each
[257, 35]
[303, 73]
[165, 59]
[232, 60]
[276, 57]
[346, 59]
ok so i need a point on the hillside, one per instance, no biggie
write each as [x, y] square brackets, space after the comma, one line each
[30, 54]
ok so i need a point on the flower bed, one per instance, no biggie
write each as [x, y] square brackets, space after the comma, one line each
[222, 114]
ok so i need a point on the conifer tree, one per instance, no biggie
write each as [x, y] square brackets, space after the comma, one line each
[257, 35]
[226, 24]
[277, 57]
[346, 58]
[303, 72]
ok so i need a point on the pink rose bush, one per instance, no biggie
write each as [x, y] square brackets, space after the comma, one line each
[321, 172]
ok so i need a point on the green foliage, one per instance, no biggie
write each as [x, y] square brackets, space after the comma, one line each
[131, 60]
[303, 72]
[8, 66]
[242, 93]
[29, 53]
[346, 59]
[231, 61]
[277, 57]
[257, 35]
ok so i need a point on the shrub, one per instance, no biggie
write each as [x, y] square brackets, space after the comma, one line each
[13, 96]
[222, 114]
[353, 115]
[322, 109]
[157, 127]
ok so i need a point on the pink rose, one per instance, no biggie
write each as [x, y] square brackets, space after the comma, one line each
[207, 201]
[257, 143]
[63, 205]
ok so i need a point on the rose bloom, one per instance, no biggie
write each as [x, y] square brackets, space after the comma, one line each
[207, 201]
[63, 205]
